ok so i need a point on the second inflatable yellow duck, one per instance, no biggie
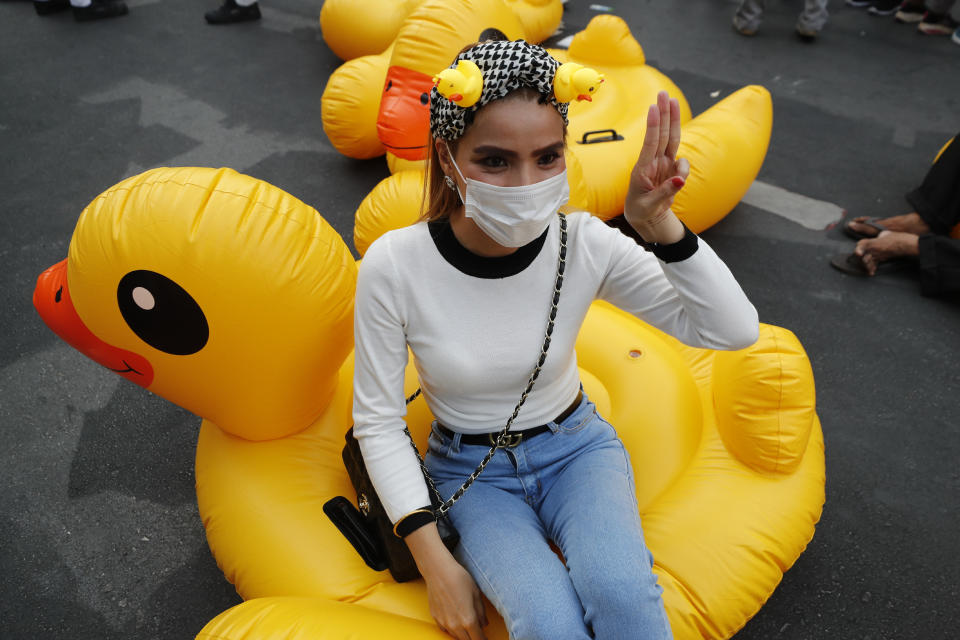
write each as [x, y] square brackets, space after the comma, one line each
[237, 299]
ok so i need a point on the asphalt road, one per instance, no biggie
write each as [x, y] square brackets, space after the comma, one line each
[99, 532]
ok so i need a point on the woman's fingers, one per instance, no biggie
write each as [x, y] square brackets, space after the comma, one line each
[663, 106]
[682, 168]
[651, 139]
[674, 143]
[475, 633]
[481, 610]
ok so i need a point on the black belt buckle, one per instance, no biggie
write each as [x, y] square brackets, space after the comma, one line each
[510, 440]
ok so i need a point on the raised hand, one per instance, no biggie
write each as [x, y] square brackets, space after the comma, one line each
[658, 175]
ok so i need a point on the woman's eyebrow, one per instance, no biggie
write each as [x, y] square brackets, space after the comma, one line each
[493, 150]
[556, 146]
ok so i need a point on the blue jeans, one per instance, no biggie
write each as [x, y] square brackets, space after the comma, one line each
[573, 487]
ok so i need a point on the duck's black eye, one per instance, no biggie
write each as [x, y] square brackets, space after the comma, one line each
[424, 98]
[162, 313]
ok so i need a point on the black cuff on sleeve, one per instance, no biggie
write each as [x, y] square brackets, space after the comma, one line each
[675, 252]
[679, 250]
[413, 521]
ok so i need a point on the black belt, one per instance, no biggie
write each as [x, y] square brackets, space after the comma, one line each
[513, 438]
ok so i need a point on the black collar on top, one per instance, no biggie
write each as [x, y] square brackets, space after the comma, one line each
[479, 266]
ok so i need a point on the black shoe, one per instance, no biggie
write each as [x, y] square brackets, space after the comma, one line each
[50, 6]
[100, 9]
[884, 7]
[230, 11]
[859, 3]
[806, 34]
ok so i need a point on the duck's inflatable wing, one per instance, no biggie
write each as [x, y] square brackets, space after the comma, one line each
[726, 146]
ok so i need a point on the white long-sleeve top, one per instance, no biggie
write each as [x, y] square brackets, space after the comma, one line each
[475, 327]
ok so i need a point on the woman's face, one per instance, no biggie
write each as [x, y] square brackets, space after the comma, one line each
[512, 142]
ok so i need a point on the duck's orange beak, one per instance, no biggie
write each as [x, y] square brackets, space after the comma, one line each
[403, 124]
[52, 301]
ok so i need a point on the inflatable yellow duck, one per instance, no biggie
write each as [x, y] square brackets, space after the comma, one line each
[234, 300]
[462, 85]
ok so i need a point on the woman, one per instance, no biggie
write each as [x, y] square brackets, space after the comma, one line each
[468, 291]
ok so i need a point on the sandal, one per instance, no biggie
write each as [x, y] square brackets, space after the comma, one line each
[852, 264]
[872, 222]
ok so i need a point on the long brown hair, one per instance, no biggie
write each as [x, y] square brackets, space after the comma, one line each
[439, 200]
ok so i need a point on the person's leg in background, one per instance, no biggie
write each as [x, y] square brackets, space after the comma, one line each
[812, 19]
[83, 10]
[937, 21]
[748, 17]
[234, 11]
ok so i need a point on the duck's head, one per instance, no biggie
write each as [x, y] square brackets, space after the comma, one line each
[214, 290]
[429, 39]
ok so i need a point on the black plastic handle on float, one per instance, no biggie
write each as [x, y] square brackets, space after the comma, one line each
[611, 137]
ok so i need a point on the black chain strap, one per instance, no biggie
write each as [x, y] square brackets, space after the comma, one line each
[501, 439]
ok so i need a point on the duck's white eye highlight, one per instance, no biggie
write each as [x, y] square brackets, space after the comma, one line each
[143, 298]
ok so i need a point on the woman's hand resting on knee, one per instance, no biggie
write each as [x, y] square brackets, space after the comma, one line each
[455, 600]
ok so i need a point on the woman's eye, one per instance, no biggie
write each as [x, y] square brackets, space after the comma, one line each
[493, 162]
[549, 158]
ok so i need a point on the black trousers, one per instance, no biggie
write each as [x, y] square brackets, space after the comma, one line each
[937, 201]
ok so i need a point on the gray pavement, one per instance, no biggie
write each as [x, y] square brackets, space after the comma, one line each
[99, 532]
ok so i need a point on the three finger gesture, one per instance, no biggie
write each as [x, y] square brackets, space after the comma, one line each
[658, 175]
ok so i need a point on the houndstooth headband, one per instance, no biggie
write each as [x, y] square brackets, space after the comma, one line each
[506, 65]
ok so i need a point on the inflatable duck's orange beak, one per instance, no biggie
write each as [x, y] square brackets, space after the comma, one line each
[52, 301]
[403, 124]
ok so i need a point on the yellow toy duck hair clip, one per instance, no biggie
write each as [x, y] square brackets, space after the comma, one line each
[461, 86]
[575, 82]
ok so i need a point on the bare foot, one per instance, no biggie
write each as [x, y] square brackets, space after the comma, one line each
[887, 245]
[909, 223]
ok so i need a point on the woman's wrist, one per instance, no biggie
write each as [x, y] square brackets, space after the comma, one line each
[428, 550]
[663, 228]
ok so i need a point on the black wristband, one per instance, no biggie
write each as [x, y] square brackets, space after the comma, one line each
[413, 521]
[679, 250]
[673, 252]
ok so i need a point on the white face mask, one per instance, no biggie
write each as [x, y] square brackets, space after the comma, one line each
[513, 216]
